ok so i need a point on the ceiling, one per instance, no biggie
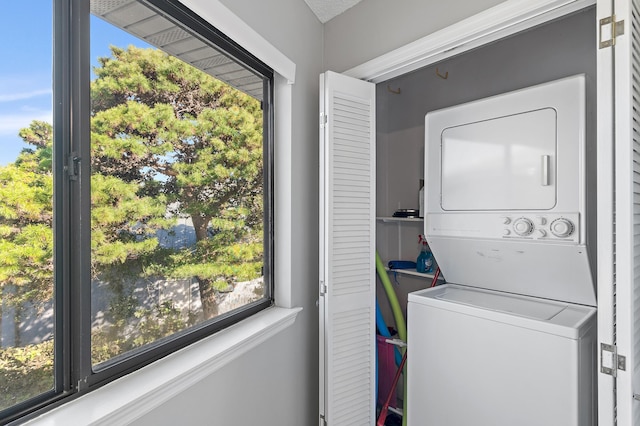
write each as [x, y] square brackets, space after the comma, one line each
[328, 9]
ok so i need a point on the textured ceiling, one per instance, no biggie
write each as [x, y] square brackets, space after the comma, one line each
[327, 9]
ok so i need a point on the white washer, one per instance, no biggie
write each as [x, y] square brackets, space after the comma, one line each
[482, 357]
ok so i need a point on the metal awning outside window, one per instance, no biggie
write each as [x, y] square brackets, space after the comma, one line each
[145, 23]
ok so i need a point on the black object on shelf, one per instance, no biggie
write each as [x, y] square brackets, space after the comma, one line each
[407, 213]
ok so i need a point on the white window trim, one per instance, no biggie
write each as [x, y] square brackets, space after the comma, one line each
[500, 21]
[235, 28]
[283, 198]
[130, 397]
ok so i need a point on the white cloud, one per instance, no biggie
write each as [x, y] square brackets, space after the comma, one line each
[10, 124]
[23, 98]
[27, 85]
[9, 97]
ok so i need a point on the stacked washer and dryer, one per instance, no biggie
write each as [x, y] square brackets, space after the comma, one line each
[511, 339]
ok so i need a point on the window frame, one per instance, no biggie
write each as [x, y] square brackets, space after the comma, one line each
[131, 361]
[74, 374]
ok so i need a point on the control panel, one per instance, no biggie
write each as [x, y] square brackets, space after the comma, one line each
[537, 227]
[559, 227]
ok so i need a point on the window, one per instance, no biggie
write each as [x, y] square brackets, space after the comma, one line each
[136, 197]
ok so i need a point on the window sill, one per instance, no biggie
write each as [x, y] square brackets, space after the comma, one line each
[131, 396]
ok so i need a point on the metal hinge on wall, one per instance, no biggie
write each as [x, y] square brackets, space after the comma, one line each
[610, 360]
[323, 288]
[323, 421]
[609, 30]
[323, 120]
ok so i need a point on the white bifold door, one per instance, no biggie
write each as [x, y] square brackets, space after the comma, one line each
[619, 211]
[347, 251]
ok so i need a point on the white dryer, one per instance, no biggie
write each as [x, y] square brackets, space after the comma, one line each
[512, 339]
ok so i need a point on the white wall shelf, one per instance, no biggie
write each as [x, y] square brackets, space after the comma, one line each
[400, 219]
[413, 273]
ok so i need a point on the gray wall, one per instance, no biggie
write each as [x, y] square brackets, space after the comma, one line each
[549, 52]
[374, 27]
[277, 383]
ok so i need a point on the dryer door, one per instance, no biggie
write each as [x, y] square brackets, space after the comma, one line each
[506, 163]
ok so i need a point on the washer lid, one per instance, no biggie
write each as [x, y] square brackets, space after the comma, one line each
[548, 316]
[537, 309]
[550, 270]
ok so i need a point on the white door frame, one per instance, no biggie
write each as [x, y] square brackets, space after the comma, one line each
[605, 212]
[500, 21]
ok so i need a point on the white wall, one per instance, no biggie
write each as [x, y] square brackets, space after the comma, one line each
[267, 386]
[374, 27]
[277, 383]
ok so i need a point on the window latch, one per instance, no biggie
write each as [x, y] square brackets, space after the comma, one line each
[72, 166]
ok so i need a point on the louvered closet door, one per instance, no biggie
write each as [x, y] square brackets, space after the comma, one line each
[627, 200]
[627, 208]
[347, 251]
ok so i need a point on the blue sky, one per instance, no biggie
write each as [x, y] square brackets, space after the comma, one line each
[25, 77]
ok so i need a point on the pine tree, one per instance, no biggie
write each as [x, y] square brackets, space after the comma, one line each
[167, 140]
[26, 220]
[164, 131]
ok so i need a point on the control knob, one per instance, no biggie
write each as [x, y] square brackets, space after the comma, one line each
[523, 226]
[561, 227]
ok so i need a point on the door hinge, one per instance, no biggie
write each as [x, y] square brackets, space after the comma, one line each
[72, 166]
[609, 30]
[611, 361]
[323, 119]
[323, 288]
[323, 421]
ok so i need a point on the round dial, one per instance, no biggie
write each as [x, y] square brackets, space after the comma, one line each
[562, 227]
[523, 226]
